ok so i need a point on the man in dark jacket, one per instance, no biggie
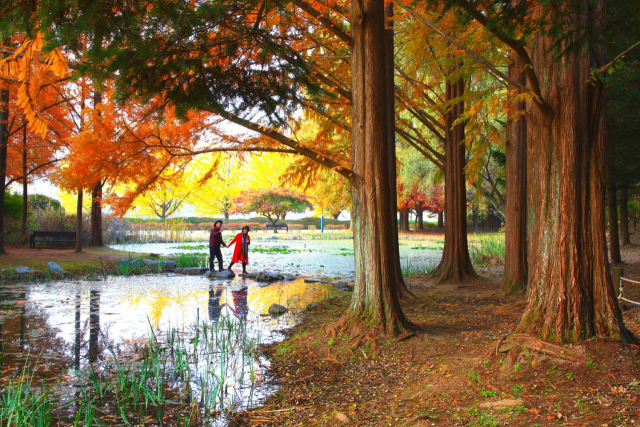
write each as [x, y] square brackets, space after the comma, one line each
[215, 241]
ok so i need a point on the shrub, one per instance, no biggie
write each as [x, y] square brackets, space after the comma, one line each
[312, 227]
[336, 227]
[296, 227]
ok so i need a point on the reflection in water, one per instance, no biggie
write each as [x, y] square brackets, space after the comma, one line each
[65, 325]
[94, 325]
[214, 304]
[78, 332]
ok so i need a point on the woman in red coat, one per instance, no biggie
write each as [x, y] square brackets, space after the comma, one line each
[241, 251]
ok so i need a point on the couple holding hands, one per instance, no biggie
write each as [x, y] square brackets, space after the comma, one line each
[240, 253]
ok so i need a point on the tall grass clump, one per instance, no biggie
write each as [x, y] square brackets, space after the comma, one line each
[410, 269]
[487, 250]
[20, 405]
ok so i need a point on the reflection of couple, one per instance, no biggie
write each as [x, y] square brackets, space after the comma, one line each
[240, 253]
[240, 307]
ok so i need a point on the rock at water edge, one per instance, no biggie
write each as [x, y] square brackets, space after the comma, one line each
[55, 268]
[23, 270]
[169, 265]
[311, 280]
[277, 310]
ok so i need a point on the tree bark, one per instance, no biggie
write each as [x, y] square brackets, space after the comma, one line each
[515, 262]
[391, 144]
[456, 262]
[96, 196]
[4, 139]
[570, 291]
[614, 237]
[375, 300]
[79, 223]
[25, 186]
[96, 216]
[624, 216]
[419, 219]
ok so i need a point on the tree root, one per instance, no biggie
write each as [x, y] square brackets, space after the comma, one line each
[519, 341]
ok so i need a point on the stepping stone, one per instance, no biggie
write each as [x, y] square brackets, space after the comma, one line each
[191, 271]
[224, 274]
[55, 268]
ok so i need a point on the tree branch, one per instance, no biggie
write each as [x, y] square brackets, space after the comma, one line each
[617, 58]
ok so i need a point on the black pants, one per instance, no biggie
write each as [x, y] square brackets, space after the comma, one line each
[217, 253]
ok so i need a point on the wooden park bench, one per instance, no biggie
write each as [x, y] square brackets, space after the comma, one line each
[276, 227]
[52, 237]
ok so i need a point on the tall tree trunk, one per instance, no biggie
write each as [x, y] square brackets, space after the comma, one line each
[4, 140]
[570, 291]
[441, 219]
[614, 237]
[515, 230]
[375, 299]
[456, 262]
[96, 216]
[25, 186]
[79, 222]
[391, 144]
[624, 216]
[419, 215]
[96, 196]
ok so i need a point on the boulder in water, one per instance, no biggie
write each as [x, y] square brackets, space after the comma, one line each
[277, 310]
[55, 268]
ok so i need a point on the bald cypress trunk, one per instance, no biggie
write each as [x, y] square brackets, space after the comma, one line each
[624, 217]
[375, 298]
[614, 237]
[96, 196]
[391, 148]
[79, 222]
[25, 186]
[515, 263]
[4, 140]
[570, 292]
[456, 263]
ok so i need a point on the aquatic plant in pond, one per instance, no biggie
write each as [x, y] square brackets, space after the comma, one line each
[188, 376]
[410, 268]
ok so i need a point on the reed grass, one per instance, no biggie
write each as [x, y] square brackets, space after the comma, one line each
[189, 376]
[410, 269]
[487, 250]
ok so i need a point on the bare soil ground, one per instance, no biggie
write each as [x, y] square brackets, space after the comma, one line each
[454, 371]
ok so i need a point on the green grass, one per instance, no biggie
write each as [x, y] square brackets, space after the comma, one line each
[487, 249]
[410, 269]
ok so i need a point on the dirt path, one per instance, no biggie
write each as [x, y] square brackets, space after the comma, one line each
[449, 373]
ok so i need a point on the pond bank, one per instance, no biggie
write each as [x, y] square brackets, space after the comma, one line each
[90, 260]
[448, 373]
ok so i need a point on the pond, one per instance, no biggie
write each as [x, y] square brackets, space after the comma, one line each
[155, 349]
[161, 349]
[310, 258]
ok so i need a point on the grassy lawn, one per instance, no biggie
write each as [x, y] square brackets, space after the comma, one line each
[91, 260]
